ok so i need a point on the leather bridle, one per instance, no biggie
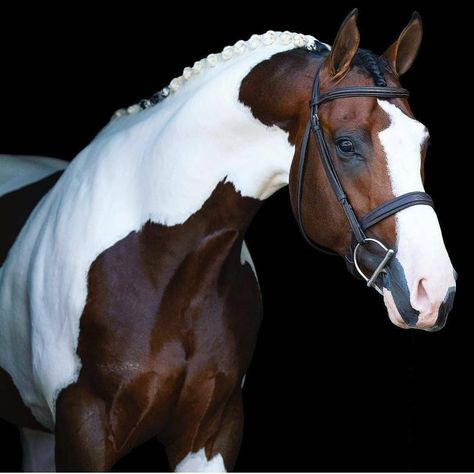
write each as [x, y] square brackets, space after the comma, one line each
[387, 209]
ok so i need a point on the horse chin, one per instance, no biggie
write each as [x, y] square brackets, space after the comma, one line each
[392, 310]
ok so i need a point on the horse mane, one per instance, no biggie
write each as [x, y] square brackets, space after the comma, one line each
[240, 48]
[364, 58]
[372, 63]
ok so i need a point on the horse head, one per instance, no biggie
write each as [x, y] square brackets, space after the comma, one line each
[377, 150]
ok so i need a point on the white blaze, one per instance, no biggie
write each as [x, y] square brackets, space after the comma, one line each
[421, 249]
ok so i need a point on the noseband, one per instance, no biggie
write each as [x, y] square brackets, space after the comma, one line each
[387, 209]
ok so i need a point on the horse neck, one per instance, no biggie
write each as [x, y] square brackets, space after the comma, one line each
[199, 137]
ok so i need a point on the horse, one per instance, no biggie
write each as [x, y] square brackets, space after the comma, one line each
[129, 303]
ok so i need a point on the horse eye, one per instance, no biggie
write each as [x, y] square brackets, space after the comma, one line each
[345, 145]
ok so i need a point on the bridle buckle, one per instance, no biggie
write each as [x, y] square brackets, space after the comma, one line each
[315, 121]
[389, 253]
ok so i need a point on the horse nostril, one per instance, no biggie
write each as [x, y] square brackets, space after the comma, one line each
[419, 299]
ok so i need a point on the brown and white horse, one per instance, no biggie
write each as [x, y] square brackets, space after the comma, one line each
[129, 305]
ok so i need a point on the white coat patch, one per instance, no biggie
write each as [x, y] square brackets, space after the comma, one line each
[245, 257]
[19, 171]
[161, 164]
[197, 462]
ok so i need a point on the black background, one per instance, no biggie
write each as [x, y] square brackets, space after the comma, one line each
[333, 385]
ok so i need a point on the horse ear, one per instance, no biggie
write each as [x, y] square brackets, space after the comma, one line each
[345, 46]
[403, 52]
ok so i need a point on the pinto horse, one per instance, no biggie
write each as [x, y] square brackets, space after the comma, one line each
[129, 304]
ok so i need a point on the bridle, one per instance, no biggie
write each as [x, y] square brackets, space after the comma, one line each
[387, 209]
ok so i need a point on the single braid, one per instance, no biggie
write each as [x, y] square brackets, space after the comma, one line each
[373, 64]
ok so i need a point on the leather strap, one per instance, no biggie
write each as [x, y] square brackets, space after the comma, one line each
[335, 183]
[344, 92]
[299, 191]
[395, 205]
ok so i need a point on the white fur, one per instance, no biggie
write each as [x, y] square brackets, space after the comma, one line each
[38, 451]
[245, 257]
[421, 249]
[160, 165]
[19, 171]
[198, 462]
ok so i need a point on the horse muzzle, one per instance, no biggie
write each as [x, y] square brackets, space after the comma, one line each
[420, 304]
[417, 305]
